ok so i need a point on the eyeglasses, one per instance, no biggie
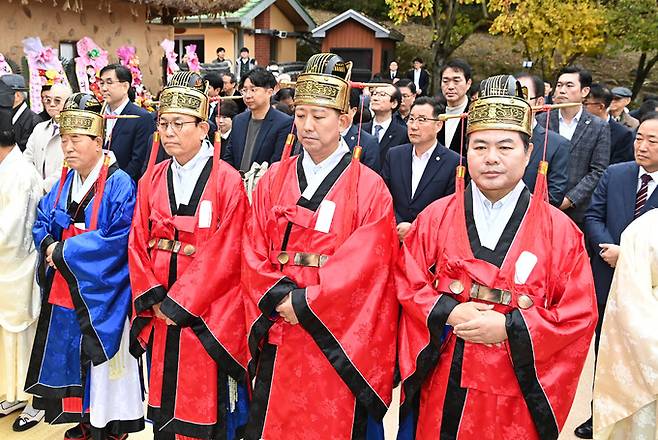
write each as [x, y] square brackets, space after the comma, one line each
[380, 94]
[420, 120]
[177, 126]
[251, 91]
[108, 83]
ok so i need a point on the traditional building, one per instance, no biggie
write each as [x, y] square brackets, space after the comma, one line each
[110, 23]
[355, 37]
[268, 28]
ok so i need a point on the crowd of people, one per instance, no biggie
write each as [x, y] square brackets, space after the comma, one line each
[282, 255]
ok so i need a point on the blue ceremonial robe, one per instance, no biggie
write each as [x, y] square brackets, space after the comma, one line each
[94, 265]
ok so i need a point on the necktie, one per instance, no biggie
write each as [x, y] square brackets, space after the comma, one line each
[641, 198]
[378, 129]
[55, 128]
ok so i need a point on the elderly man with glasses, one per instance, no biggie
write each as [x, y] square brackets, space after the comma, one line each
[44, 147]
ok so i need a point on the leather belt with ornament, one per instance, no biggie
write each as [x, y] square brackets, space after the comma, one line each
[173, 246]
[306, 259]
[484, 293]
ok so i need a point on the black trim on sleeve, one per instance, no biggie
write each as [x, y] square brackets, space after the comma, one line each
[225, 362]
[151, 297]
[275, 295]
[91, 345]
[523, 359]
[334, 353]
[428, 356]
[47, 241]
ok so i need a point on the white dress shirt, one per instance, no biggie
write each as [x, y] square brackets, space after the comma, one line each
[418, 165]
[567, 129]
[452, 124]
[225, 135]
[110, 123]
[491, 218]
[385, 124]
[186, 176]
[651, 186]
[316, 173]
[417, 79]
[79, 188]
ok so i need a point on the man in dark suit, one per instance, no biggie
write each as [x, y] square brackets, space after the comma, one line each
[369, 144]
[589, 137]
[557, 151]
[22, 118]
[420, 77]
[626, 191]
[258, 134]
[393, 73]
[621, 138]
[408, 94]
[389, 132]
[423, 171]
[455, 84]
[128, 138]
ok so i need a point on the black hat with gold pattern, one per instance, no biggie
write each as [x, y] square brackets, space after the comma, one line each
[82, 114]
[325, 82]
[186, 93]
[501, 105]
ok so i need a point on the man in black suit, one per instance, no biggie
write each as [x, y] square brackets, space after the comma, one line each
[624, 192]
[455, 84]
[621, 138]
[369, 144]
[258, 134]
[423, 171]
[393, 73]
[128, 138]
[420, 77]
[408, 93]
[557, 151]
[589, 137]
[231, 89]
[384, 101]
[22, 118]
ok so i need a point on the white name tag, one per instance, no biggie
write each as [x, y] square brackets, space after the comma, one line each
[524, 266]
[80, 226]
[205, 214]
[325, 216]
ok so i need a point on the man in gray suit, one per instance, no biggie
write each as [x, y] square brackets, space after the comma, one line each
[557, 150]
[589, 137]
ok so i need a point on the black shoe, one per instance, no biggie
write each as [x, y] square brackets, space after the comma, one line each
[80, 431]
[584, 430]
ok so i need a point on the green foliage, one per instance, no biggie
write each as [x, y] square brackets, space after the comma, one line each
[554, 32]
[634, 25]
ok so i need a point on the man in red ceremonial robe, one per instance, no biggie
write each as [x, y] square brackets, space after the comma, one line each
[184, 256]
[497, 294]
[318, 253]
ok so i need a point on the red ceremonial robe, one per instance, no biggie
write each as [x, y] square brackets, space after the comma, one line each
[524, 387]
[191, 361]
[322, 378]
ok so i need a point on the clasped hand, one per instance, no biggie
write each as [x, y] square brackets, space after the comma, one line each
[286, 310]
[478, 323]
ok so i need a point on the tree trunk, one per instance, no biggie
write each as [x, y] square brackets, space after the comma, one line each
[644, 67]
[441, 55]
